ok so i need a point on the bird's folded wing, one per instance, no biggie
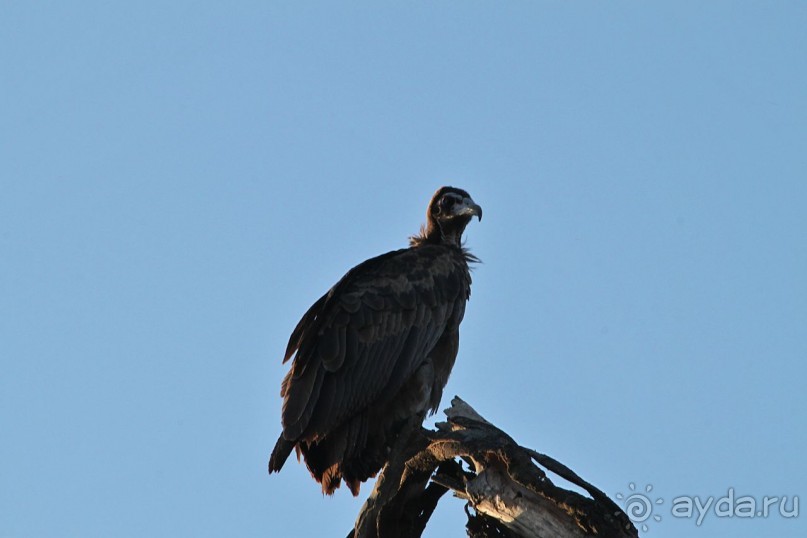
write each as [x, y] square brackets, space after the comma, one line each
[360, 342]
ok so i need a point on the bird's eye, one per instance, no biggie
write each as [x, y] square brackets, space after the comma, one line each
[447, 202]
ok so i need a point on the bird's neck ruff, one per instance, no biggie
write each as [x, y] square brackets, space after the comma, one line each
[445, 233]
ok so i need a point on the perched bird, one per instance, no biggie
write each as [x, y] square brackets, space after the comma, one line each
[372, 355]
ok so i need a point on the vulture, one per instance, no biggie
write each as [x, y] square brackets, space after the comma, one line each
[371, 357]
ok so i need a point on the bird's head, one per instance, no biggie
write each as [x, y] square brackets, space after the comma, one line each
[450, 210]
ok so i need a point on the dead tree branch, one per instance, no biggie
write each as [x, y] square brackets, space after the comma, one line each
[508, 494]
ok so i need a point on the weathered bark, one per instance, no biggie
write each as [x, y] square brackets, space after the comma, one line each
[508, 495]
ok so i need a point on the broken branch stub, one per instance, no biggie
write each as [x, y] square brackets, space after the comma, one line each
[509, 494]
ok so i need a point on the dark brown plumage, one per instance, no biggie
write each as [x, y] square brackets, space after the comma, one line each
[372, 355]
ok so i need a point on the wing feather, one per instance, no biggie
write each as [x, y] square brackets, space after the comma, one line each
[361, 341]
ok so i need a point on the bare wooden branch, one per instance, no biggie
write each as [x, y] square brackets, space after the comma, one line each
[508, 494]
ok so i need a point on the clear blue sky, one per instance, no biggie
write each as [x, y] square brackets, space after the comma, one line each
[181, 180]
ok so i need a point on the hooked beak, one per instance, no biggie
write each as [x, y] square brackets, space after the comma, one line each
[469, 207]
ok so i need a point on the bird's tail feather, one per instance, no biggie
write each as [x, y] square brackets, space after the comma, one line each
[280, 454]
